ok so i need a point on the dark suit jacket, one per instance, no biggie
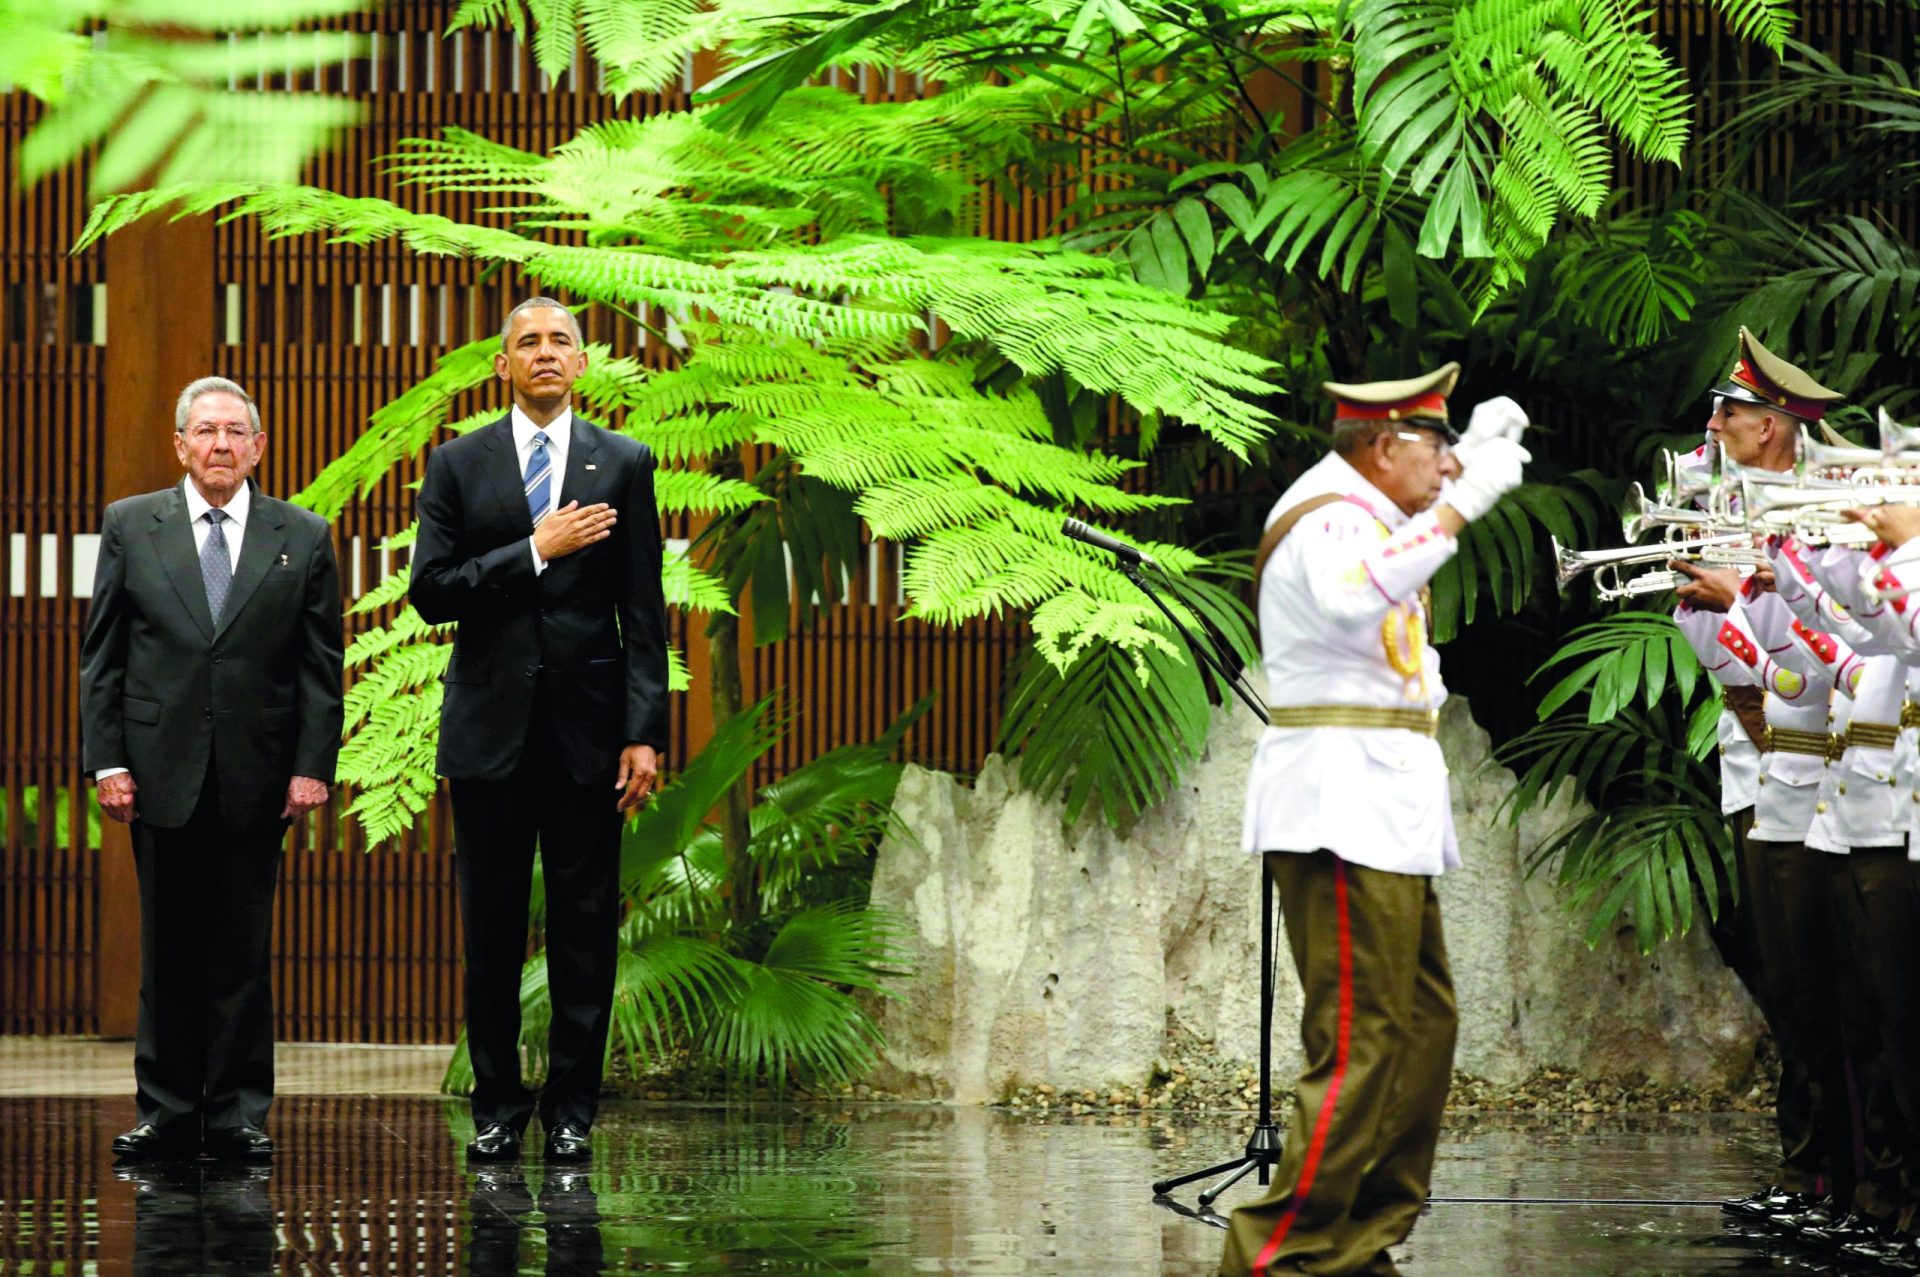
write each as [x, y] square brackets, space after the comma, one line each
[595, 621]
[163, 690]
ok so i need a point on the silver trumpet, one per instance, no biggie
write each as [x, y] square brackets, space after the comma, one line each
[1641, 514]
[1894, 461]
[1681, 483]
[1896, 439]
[1658, 581]
[1785, 507]
[1731, 549]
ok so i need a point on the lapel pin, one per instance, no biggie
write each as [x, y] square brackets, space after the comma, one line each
[591, 466]
[283, 560]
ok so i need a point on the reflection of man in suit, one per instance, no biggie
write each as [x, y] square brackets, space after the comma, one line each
[204, 1218]
[500, 1208]
[210, 701]
[540, 537]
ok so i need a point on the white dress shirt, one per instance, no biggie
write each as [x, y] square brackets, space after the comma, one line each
[559, 433]
[1342, 585]
[234, 528]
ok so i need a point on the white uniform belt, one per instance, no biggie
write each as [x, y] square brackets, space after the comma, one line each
[1424, 721]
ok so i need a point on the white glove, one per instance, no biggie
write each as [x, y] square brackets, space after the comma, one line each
[1495, 471]
[1498, 418]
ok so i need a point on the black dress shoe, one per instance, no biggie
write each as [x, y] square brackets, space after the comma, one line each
[239, 1144]
[1893, 1253]
[148, 1140]
[496, 1142]
[1769, 1201]
[568, 1143]
[1822, 1214]
[1850, 1227]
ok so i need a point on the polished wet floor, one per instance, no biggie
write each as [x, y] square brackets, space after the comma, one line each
[380, 1184]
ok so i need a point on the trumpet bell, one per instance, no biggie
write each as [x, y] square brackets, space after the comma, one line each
[1896, 439]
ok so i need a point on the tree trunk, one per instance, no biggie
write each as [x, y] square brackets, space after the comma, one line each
[741, 888]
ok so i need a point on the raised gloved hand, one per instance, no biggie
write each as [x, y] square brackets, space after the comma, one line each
[1493, 472]
[1497, 418]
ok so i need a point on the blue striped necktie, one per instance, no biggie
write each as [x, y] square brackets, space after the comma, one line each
[539, 479]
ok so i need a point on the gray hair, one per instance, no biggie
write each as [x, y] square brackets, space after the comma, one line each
[183, 407]
[1353, 434]
[541, 303]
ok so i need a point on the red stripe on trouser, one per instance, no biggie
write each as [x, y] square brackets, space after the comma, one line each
[1342, 1038]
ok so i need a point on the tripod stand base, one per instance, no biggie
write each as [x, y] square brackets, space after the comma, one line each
[1263, 1152]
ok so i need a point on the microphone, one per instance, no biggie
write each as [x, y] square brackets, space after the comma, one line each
[1079, 531]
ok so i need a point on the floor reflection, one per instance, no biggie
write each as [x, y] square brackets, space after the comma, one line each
[200, 1217]
[381, 1185]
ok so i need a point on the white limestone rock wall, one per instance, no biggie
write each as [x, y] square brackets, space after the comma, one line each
[1046, 954]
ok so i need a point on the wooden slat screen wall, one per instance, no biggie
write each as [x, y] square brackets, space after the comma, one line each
[367, 943]
[51, 435]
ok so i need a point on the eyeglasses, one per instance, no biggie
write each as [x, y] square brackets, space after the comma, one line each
[1441, 448]
[232, 434]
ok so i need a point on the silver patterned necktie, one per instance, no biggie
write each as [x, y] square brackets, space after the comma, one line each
[216, 568]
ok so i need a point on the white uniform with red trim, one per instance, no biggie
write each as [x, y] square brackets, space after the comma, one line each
[1341, 623]
[1739, 756]
[1753, 643]
[1857, 793]
[1897, 620]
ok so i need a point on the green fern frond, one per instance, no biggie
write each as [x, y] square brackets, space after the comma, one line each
[1767, 22]
[177, 110]
[692, 589]
[690, 491]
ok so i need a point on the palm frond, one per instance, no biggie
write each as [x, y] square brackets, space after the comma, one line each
[792, 1011]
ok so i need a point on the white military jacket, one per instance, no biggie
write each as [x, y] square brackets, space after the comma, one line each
[1342, 623]
[1753, 643]
[1857, 793]
[1739, 756]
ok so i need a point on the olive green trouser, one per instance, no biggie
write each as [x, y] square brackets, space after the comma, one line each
[1378, 1029]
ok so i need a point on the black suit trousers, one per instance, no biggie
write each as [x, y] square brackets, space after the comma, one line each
[203, 1050]
[497, 825]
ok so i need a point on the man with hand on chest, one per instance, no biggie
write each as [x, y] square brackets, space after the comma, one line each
[540, 539]
[211, 711]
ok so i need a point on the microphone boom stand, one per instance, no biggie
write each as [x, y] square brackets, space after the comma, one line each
[1262, 1151]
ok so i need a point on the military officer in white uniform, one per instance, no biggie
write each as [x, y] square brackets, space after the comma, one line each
[1348, 800]
[1746, 632]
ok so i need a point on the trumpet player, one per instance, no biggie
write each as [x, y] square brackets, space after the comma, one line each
[1781, 713]
[1879, 906]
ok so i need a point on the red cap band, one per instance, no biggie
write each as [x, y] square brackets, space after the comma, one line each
[1427, 405]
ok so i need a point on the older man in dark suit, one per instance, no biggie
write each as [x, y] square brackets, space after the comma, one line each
[211, 707]
[539, 536]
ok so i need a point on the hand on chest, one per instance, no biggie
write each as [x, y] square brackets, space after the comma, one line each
[516, 491]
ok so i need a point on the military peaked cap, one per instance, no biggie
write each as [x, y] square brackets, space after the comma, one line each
[1762, 377]
[1419, 400]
